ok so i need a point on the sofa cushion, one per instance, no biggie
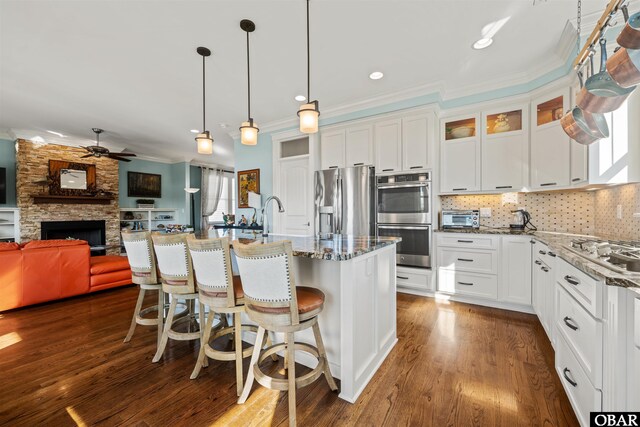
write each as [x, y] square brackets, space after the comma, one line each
[9, 246]
[121, 276]
[108, 263]
[55, 243]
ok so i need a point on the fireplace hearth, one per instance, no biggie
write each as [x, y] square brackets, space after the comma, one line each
[91, 231]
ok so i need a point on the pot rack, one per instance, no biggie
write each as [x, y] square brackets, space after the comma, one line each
[600, 29]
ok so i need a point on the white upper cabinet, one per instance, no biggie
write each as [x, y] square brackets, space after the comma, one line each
[460, 154]
[332, 149]
[388, 146]
[505, 149]
[417, 140]
[579, 163]
[550, 145]
[359, 146]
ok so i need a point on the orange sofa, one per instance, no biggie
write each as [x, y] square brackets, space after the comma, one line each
[47, 270]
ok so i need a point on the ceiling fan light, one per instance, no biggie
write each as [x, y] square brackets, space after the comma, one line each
[309, 114]
[249, 133]
[204, 143]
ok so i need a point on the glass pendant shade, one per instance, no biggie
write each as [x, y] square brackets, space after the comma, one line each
[309, 114]
[249, 133]
[204, 143]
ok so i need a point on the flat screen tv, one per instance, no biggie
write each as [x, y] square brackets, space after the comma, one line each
[3, 185]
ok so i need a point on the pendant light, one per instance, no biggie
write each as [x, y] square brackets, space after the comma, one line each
[309, 112]
[248, 130]
[204, 142]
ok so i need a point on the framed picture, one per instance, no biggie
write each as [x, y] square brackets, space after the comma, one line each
[248, 180]
[71, 179]
[144, 185]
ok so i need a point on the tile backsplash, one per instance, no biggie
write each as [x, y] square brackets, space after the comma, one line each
[580, 212]
[570, 212]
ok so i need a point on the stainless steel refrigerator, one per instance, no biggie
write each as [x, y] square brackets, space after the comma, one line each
[345, 202]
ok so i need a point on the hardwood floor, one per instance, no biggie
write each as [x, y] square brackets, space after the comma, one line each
[455, 364]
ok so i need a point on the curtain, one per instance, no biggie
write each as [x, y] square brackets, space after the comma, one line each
[210, 192]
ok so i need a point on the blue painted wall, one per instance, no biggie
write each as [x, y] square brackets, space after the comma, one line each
[174, 180]
[8, 160]
[255, 157]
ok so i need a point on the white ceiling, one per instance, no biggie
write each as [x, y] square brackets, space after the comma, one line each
[130, 67]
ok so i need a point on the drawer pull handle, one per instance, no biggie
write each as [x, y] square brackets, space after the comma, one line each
[566, 371]
[465, 259]
[387, 170]
[500, 187]
[546, 184]
[570, 323]
[459, 189]
[358, 164]
[465, 241]
[551, 254]
[533, 242]
[576, 179]
[545, 269]
[402, 277]
[572, 280]
[538, 262]
[465, 283]
[333, 167]
[542, 252]
[416, 167]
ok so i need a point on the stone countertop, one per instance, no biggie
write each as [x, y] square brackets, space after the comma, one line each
[485, 230]
[340, 248]
[557, 243]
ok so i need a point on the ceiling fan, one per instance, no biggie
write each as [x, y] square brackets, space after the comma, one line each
[98, 151]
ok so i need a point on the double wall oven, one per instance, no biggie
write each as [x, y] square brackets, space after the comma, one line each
[404, 210]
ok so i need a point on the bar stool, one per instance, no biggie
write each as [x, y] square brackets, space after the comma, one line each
[176, 273]
[222, 293]
[275, 303]
[142, 261]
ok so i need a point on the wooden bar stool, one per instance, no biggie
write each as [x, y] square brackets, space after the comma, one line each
[275, 303]
[222, 293]
[142, 261]
[176, 273]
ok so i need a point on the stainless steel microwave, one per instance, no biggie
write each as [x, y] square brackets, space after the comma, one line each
[460, 219]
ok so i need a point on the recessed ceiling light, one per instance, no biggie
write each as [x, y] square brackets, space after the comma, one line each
[482, 43]
[194, 131]
[376, 75]
[224, 125]
[56, 133]
[301, 98]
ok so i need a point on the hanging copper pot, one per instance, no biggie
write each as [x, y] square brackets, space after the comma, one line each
[582, 126]
[601, 94]
[624, 67]
[630, 35]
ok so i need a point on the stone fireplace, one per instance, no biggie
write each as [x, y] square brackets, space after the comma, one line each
[32, 165]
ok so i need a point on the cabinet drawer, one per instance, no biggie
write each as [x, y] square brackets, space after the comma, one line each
[584, 288]
[406, 278]
[582, 332]
[478, 285]
[468, 240]
[583, 395]
[468, 260]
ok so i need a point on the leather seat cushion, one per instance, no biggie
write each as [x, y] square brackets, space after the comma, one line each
[9, 246]
[237, 289]
[309, 299]
[54, 243]
[108, 264]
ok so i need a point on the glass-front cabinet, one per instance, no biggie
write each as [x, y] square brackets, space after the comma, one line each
[505, 148]
[551, 148]
[460, 154]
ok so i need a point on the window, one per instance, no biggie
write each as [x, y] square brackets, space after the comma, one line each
[227, 200]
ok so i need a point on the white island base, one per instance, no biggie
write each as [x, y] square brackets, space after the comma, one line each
[358, 322]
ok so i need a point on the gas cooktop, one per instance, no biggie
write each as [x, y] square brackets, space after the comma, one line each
[622, 257]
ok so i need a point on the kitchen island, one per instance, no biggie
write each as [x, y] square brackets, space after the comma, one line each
[358, 322]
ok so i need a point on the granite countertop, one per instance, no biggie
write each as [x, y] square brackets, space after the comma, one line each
[340, 248]
[557, 242]
[485, 230]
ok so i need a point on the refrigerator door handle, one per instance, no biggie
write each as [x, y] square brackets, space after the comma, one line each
[338, 207]
[341, 204]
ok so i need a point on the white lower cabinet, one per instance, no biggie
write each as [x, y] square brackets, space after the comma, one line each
[492, 268]
[633, 352]
[414, 280]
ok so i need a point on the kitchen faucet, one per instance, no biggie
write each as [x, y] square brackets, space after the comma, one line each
[265, 216]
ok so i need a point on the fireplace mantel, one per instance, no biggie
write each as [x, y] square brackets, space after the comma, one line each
[83, 200]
